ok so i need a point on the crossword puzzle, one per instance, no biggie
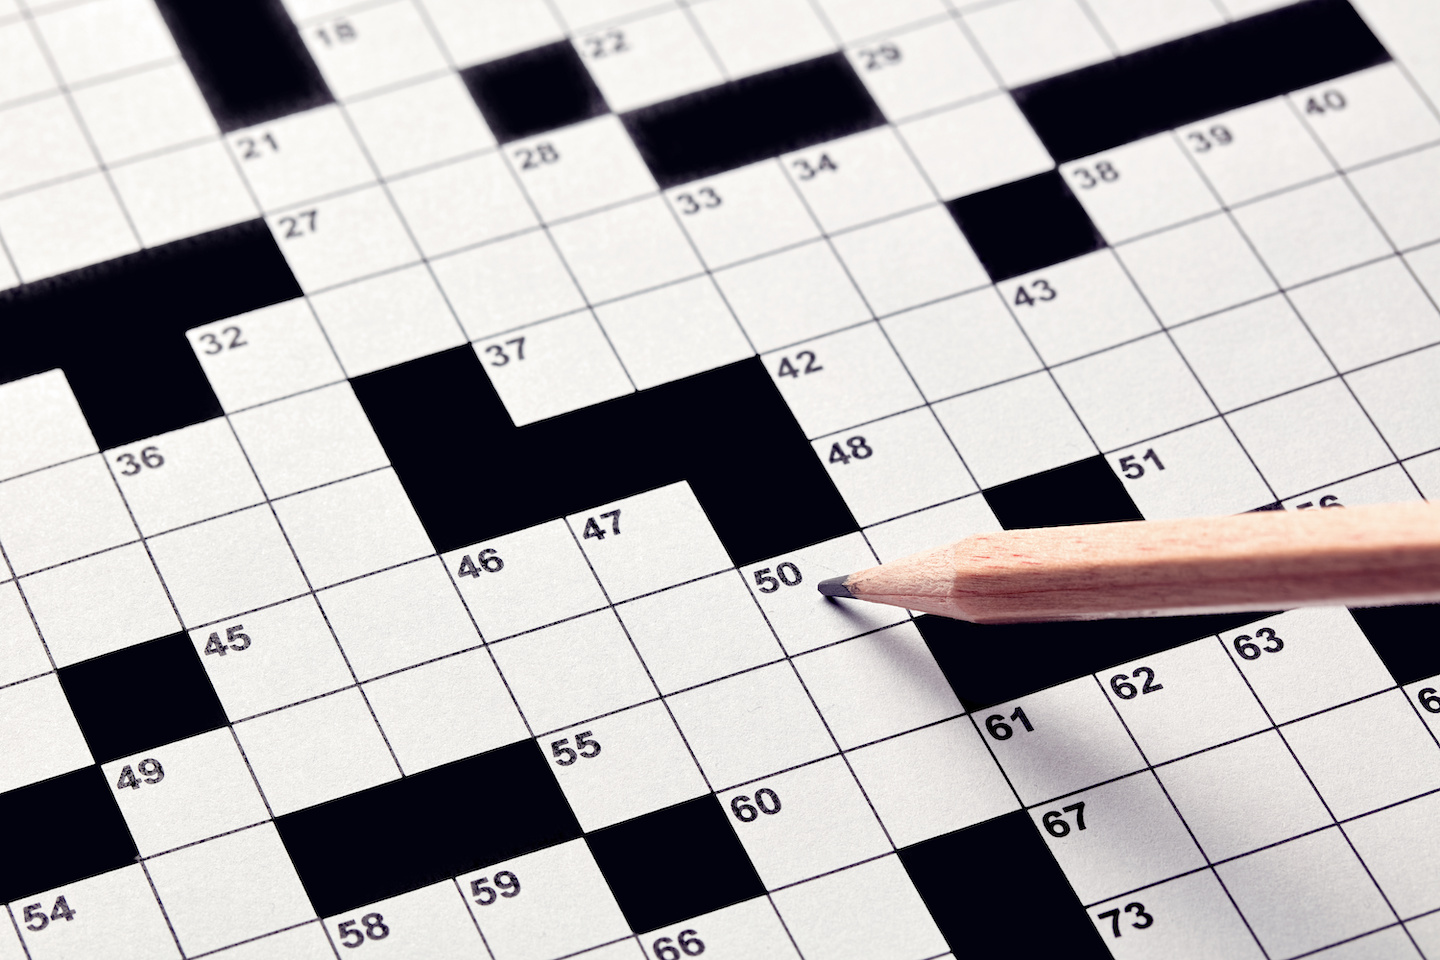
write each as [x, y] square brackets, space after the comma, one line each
[423, 422]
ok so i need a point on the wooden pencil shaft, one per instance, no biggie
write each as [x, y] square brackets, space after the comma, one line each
[1270, 560]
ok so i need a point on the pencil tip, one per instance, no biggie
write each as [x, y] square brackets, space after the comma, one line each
[835, 587]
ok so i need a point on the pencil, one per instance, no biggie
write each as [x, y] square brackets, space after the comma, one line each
[1268, 560]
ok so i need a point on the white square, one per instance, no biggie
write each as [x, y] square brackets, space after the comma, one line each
[343, 238]
[476, 31]
[22, 655]
[316, 437]
[1295, 461]
[853, 19]
[664, 57]
[398, 618]
[910, 260]
[1426, 264]
[877, 685]
[61, 513]
[1135, 24]
[1317, 657]
[935, 66]
[462, 203]
[924, 528]
[208, 791]
[836, 826]
[349, 529]
[1426, 473]
[264, 354]
[144, 112]
[870, 176]
[1255, 150]
[226, 566]
[743, 213]
[1380, 112]
[1305, 894]
[1150, 186]
[1386, 485]
[750, 928]
[1195, 269]
[1012, 151]
[698, 632]
[673, 332]
[387, 44]
[93, 39]
[754, 35]
[792, 735]
[40, 424]
[651, 540]
[800, 622]
[1079, 306]
[64, 226]
[1311, 231]
[595, 165]
[1368, 314]
[624, 249]
[1132, 837]
[1200, 922]
[867, 911]
[1395, 845]
[265, 894]
[118, 902]
[183, 193]
[584, 13]
[545, 579]
[506, 284]
[646, 766]
[553, 368]
[1030, 39]
[861, 380]
[1068, 739]
[99, 604]
[960, 344]
[1395, 393]
[316, 751]
[1396, 194]
[446, 710]
[1206, 473]
[300, 157]
[792, 296]
[420, 124]
[305, 942]
[36, 711]
[1252, 352]
[290, 656]
[199, 472]
[41, 141]
[932, 781]
[1134, 391]
[431, 922]
[573, 671]
[894, 466]
[1015, 429]
[25, 72]
[566, 905]
[386, 320]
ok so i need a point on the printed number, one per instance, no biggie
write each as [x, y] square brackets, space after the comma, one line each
[693, 203]
[253, 148]
[1000, 730]
[214, 344]
[767, 801]
[232, 634]
[36, 918]
[1043, 292]
[593, 530]
[375, 929]
[605, 44]
[1247, 648]
[341, 31]
[788, 574]
[1125, 690]
[1326, 101]
[585, 746]
[149, 457]
[150, 772]
[498, 356]
[1327, 501]
[506, 883]
[300, 224]
[809, 171]
[1057, 826]
[1089, 179]
[1114, 917]
[879, 57]
[1207, 140]
[804, 362]
[859, 450]
[1133, 469]
[1429, 699]
[537, 156]
[486, 560]
[687, 943]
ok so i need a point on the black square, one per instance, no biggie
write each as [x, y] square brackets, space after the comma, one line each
[1086, 491]
[60, 830]
[1404, 637]
[141, 697]
[1025, 225]
[674, 863]
[534, 91]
